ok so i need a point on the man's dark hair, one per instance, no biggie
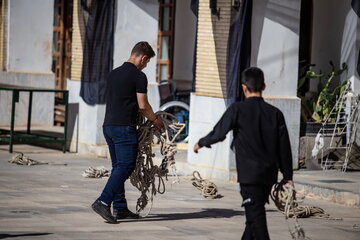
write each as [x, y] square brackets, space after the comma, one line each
[143, 48]
[253, 78]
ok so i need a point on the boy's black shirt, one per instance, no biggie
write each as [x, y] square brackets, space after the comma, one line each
[261, 141]
[121, 102]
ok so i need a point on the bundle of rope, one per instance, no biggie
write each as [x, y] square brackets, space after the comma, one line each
[22, 159]
[96, 172]
[145, 173]
[208, 189]
[284, 197]
[287, 200]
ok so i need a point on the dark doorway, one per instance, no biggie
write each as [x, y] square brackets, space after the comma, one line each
[305, 40]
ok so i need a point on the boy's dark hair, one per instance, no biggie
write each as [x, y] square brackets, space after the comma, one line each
[143, 48]
[253, 78]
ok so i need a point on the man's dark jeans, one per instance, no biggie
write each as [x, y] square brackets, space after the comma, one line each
[254, 199]
[123, 146]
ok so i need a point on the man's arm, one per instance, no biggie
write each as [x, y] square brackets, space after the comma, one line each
[225, 124]
[285, 156]
[147, 110]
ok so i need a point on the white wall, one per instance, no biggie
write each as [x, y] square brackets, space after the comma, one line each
[137, 20]
[29, 45]
[30, 35]
[350, 47]
[357, 48]
[349, 53]
[275, 44]
[43, 103]
[185, 30]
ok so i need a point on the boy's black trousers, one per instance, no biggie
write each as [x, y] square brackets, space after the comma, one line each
[254, 198]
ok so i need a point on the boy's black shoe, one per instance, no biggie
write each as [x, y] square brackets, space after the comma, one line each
[125, 214]
[103, 211]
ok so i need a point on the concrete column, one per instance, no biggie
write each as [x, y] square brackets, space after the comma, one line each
[85, 124]
[211, 162]
[275, 49]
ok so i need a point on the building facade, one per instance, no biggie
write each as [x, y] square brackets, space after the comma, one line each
[42, 41]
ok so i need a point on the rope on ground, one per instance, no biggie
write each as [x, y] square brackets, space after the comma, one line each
[284, 197]
[22, 159]
[145, 173]
[96, 172]
[208, 189]
[287, 200]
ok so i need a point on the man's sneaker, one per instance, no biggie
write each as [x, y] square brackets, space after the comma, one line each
[103, 211]
[125, 214]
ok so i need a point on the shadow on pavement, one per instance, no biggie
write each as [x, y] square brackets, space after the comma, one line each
[204, 213]
[4, 235]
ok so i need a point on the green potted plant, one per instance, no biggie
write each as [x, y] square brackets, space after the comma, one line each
[315, 110]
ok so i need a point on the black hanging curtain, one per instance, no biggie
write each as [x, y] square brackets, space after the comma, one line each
[194, 6]
[239, 51]
[356, 6]
[98, 49]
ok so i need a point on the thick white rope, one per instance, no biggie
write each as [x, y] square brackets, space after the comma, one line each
[146, 172]
[287, 200]
[22, 159]
[208, 189]
[96, 172]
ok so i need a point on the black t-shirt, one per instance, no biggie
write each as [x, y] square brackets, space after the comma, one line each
[121, 103]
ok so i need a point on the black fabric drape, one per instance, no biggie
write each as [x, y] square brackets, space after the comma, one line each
[194, 6]
[98, 49]
[356, 6]
[213, 6]
[239, 51]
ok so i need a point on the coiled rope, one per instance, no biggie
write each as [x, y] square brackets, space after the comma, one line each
[96, 172]
[208, 189]
[145, 173]
[284, 197]
[22, 159]
[287, 200]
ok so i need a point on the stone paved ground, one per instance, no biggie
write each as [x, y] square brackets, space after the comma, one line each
[53, 202]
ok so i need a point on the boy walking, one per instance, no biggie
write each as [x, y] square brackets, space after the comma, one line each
[262, 147]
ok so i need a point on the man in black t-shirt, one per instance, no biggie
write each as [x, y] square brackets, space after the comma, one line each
[126, 94]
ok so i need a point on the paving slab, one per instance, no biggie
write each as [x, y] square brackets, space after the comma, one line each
[330, 185]
[53, 202]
